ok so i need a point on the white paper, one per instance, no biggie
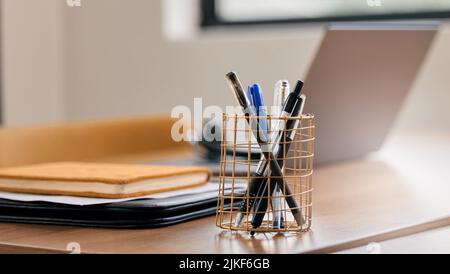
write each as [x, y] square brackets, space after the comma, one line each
[83, 201]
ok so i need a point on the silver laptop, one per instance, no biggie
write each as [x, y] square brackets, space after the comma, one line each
[356, 86]
[358, 82]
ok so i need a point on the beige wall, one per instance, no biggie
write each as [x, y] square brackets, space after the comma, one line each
[121, 63]
[118, 61]
[32, 66]
[428, 103]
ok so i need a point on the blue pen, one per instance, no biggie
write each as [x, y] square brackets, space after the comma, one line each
[257, 99]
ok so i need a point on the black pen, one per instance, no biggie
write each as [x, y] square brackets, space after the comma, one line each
[294, 105]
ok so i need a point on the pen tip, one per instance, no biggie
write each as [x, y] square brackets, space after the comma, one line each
[282, 84]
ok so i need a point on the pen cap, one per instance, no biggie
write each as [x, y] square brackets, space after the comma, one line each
[258, 100]
[298, 87]
[293, 98]
[282, 89]
[260, 107]
[238, 90]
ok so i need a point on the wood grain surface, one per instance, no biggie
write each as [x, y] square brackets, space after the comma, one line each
[400, 191]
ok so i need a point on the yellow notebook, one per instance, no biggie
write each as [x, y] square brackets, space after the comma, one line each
[100, 180]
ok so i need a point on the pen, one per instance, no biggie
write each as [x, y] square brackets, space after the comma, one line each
[256, 97]
[258, 102]
[257, 178]
[293, 105]
[281, 92]
[262, 140]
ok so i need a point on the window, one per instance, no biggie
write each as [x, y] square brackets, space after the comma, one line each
[240, 12]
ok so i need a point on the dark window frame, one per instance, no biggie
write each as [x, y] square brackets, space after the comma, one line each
[209, 17]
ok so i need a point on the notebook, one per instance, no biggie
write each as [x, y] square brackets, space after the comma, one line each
[100, 180]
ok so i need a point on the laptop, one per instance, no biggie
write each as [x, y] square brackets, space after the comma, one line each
[358, 82]
[355, 87]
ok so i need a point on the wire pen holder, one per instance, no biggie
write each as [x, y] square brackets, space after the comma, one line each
[288, 205]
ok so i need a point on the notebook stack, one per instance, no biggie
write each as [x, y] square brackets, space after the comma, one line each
[105, 195]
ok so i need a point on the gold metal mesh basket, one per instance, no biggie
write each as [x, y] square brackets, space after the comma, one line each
[240, 156]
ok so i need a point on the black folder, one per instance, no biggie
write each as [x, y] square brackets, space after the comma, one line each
[143, 213]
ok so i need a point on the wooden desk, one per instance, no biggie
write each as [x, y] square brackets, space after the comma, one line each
[401, 191]
[436, 241]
